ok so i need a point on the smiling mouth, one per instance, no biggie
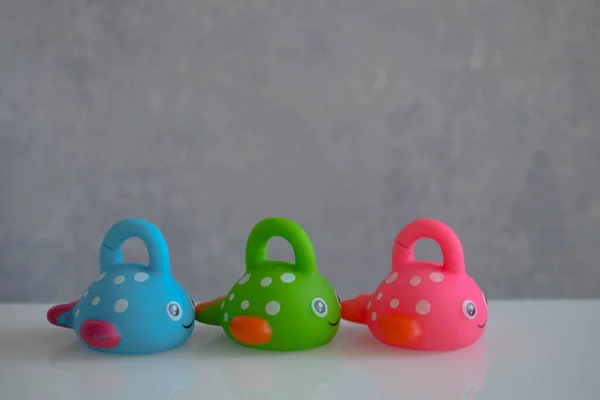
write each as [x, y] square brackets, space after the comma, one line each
[335, 323]
[190, 325]
[481, 326]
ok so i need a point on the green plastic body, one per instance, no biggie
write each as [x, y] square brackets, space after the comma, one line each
[288, 296]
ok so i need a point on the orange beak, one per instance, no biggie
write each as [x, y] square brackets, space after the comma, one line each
[201, 306]
[399, 330]
[250, 330]
[355, 310]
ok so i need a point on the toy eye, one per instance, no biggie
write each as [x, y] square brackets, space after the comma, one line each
[484, 298]
[174, 311]
[469, 309]
[319, 307]
[338, 298]
[192, 300]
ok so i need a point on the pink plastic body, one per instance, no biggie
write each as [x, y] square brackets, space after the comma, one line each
[423, 305]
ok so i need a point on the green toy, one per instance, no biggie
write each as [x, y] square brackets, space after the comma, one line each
[277, 305]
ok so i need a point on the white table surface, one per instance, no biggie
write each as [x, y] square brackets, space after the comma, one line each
[531, 350]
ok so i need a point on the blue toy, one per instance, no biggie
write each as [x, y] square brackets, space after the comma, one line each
[130, 308]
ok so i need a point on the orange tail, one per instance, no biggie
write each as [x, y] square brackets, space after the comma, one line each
[355, 310]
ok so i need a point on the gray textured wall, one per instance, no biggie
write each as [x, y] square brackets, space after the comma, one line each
[351, 117]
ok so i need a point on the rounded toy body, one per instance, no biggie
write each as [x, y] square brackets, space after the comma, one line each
[130, 308]
[277, 305]
[424, 305]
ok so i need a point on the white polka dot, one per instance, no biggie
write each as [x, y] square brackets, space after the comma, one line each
[231, 296]
[121, 305]
[266, 282]
[99, 278]
[140, 277]
[436, 277]
[225, 317]
[95, 301]
[245, 304]
[415, 280]
[119, 279]
[368, 305]
[391, 278]
[374, 316]
[86, 293]
[288, 277]
[379, 296]
[272, 307]
[222, 304]
[77, 313]
[423, 307]
[394, 303]
[244, 279]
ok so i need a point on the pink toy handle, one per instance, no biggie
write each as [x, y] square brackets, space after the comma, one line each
[425, 228]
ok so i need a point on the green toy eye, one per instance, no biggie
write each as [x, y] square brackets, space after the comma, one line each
[338, 298]
[319, 307]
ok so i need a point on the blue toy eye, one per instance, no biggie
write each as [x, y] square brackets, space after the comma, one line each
[319, 307]
[174, 311]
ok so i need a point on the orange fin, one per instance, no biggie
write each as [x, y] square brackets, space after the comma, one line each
[355, 310]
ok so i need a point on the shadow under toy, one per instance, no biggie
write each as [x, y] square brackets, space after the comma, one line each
[277, 305]
[130, 308]
[423, 305]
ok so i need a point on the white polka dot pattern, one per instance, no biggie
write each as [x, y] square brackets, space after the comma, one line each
[272, 307]
[141, 277]
[121, 305]
[414, 281]
[288, 277]
[266, 282]
[391, 278]
[423, 307]
[244, 279]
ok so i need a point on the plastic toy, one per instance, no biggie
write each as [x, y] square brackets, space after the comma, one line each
[277, 305]
[130, 308]
[423, 305]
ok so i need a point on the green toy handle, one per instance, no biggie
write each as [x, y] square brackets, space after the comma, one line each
[256, 247]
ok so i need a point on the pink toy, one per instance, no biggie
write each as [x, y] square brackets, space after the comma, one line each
[423, 305]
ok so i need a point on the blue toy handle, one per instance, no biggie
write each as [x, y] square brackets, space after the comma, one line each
[111, 251]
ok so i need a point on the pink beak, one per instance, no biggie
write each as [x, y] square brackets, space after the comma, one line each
[99, 334]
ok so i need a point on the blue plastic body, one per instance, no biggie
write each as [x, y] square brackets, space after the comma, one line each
[131, 308]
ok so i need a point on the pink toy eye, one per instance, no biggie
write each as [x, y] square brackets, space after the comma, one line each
[484, 298]
[469, 309]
